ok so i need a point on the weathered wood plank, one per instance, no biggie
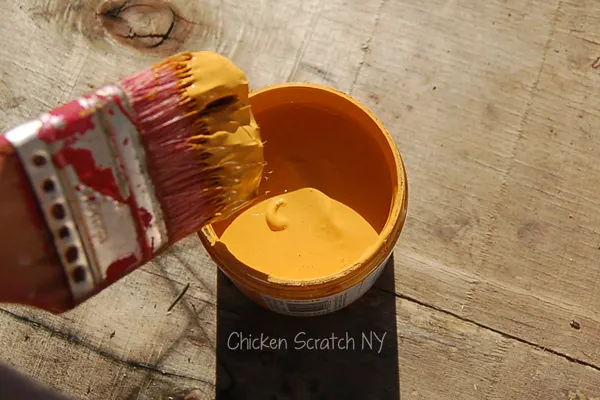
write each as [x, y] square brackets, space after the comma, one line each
[426, 354]
[130, 322]
[494, 111]
[423, 354]
[67, 364]
[492, 105]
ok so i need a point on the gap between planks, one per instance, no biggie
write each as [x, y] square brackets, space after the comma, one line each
[499, 332]
[75, 340]
[135, 364]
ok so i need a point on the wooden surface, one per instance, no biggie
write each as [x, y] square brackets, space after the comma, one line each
[493, 292]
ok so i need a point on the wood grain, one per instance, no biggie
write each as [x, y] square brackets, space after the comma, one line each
[425, 354]
[494, 291]
[503, 193]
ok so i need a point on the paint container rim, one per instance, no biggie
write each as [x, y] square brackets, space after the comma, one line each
[372, 258]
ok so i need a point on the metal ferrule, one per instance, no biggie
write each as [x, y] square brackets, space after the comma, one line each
[86, 166]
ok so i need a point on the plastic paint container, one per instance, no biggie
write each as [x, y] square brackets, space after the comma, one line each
[372, 181]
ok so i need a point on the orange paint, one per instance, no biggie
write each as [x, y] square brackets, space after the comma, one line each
[308, 145]
[211, 161]
[333, 193]
[300, 235]
[227, 131]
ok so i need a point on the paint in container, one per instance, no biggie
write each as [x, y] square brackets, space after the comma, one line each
[330, 209]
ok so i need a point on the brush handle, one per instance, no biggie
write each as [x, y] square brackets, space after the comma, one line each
[30, 273]
[74, 182]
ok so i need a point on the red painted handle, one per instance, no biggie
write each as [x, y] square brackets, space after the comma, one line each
[30, 273]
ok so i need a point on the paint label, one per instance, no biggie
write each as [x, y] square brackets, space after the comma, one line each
[325, 305]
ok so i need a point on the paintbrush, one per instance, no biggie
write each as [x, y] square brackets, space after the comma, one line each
[101, 185]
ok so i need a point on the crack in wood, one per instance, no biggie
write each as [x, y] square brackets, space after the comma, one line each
[145, 25]
[497, 331]
[365, 47]
[72, 339]
[430, 306]
[213, 304]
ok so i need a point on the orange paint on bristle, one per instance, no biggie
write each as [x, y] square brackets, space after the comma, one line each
[192, 182]
[151, 96]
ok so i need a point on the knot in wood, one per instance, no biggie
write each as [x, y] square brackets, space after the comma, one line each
[147, 25]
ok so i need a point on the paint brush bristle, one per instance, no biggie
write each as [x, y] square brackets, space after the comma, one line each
[202, 144]
[122, 173]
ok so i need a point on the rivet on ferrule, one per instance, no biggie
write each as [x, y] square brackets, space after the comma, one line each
[86, 165]
[51, 196]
